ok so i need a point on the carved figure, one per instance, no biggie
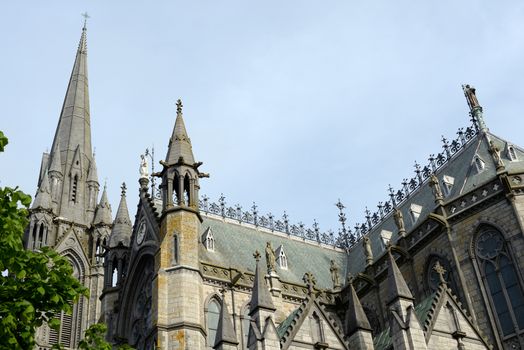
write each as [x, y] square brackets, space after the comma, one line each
[434, 183]
[469, 91]
[334, 274]
[367, 250]
[270, 257]
[399, 220]
[495, 153]
[144, 172]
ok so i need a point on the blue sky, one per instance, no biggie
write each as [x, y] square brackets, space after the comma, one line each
[290, 104]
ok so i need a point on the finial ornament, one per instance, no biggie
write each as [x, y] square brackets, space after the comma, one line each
[474, 106]
[310, 281]
[441, 271]
[179, 106]
[144, 172]
[366, 242]
[124, 188]
[86, 16]
[335, 278]
[256, 255]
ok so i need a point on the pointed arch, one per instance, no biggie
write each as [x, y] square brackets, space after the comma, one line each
[244, 324]
[212, 308]
[499, 278]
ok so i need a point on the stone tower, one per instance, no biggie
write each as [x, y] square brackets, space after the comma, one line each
[177, 286]
[65, 214]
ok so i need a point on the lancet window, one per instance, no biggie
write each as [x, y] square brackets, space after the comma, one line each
[500, 278]
[212, 317]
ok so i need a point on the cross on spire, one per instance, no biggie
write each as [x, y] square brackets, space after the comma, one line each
[256, 255]
[86, 16]
[179, 106]
[310, 281]
[124, 188]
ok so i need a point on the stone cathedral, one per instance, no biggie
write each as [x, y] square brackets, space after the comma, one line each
[438, 265]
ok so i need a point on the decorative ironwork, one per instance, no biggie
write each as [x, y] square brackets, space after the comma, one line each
[346, 238]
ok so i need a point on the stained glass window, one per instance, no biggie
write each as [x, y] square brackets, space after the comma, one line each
[499, 274]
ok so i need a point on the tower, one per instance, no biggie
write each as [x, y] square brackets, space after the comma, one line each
[65, 215]
[177, 285]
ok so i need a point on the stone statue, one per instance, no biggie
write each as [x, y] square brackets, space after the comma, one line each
[334, 274]
[469, 91]
[495, 153]
[399, 221]
[367, 250]
[144, 172]
[270, 257]
[434, 183]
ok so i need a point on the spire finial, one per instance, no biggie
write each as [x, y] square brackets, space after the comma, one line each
[441, 271]
[179, 106]
[124, 188]
[474, 107]
[86, 16]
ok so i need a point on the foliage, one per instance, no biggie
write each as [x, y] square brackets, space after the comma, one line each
[34, 285]
[94, 338]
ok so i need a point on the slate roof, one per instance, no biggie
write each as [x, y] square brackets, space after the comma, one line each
[466, 178]
[235, 244]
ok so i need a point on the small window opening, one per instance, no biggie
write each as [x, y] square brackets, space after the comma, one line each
[74, 188]
[281, 257]
[414, 211]
[187, 197]
[175, 249]
[447, 184]
[114, 278]
[479, 164]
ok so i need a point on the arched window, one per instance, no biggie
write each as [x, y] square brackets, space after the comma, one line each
[175, 249]
[501, 280]
[212, 316]
[318, 331]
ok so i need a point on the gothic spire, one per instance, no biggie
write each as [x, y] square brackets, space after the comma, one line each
[225, 331]
[103, 214]
[355, 316]
[121, 232]
[260, 297]
[397, 287]
[73, 141]
[93, 173]
[43, 196]
[179, 143]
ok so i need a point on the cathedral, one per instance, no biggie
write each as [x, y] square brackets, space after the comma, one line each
[439, 265]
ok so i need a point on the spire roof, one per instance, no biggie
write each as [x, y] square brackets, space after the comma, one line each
[356, 317]
[179, 143]
[103, 214]
[56, 161]
[225, 331]
[260, 297]
[43, 195]
[122, 228]
[93, 173]
[397, 287]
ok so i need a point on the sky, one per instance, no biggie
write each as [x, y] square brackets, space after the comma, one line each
[289, 104]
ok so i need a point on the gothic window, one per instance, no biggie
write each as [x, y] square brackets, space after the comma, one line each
[501, 280]
[209, 240]
[447, 184]
[479, 164]
[433, 278]
[281, 257]
[212, 316]
[414, 211]
[245, 326]
[318, 331]
[114, 276]
[187, 197]
[175, 249]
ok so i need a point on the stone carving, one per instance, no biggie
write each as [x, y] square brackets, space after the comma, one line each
[435, 185]
[270, 258]
[334, 269]
[495, 153]
[367, 250]
[469, 91]
[144, 172]
[399, 221]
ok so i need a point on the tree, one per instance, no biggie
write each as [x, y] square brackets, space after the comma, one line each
[34, 285]
[94, 339]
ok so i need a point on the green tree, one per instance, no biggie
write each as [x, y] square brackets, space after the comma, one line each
[34, 286]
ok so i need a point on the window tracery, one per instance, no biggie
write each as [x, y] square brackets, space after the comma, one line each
[501, 280]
